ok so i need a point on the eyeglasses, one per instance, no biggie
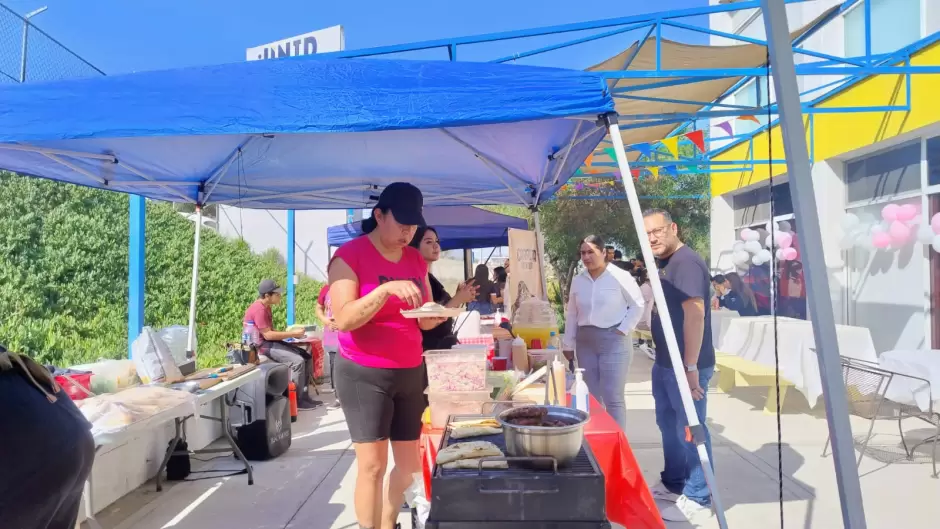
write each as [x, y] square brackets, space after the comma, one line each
[657, 232]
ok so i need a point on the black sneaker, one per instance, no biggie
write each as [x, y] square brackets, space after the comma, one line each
[308, 404]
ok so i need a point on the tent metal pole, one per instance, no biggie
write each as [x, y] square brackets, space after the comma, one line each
[467, 264]
[800, 180]
[191, 341]
[136, 273]
[540, 248]
[291, 273]
[695, 428]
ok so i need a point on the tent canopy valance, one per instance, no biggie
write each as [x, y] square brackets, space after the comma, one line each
[310, 133]
[459, 228]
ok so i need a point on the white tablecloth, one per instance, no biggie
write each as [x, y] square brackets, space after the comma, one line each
[753, 339]
[721, 320]
[922, 364]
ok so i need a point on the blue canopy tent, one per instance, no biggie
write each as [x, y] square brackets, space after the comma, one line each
[459, 227]
[309, 133]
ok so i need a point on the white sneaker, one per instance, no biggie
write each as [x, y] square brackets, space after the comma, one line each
[648, 351]
[660, 492]
[686, 510]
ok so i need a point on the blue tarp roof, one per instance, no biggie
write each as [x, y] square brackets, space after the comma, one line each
[459, 227]
[308, 132]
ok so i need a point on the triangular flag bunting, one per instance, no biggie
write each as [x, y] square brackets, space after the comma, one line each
[655, 172]
[635, 173]
[697, 137]
[578, 186]
[671, 171]
[644, 148]
[589, 161]
[749, 118]
[609, 151]
[726, 126]
[672, 145]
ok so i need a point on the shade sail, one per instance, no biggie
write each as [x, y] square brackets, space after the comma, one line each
[679, 98]
[310, 133]
[459, 228]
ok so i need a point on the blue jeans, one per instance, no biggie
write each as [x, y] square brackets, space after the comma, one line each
[683, 472]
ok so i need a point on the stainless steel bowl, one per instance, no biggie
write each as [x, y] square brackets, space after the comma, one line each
[563, 443]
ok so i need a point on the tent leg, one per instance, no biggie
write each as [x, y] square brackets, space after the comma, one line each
[673, 345]
[191, 341]
[467, 264]
[136, 272]
[540, 248]
[291, 273]
[814, 265]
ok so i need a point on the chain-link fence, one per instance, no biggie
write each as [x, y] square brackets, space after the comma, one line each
[28, 54]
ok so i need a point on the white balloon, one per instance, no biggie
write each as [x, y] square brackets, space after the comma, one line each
[925, 234]
[770, 226]
[780, 255]
[750, 235]
[740, 257]
[753, 247]
[769, 241]
[878, 228]
[765, 256]
[785, 226]
[936, 244]
[738, 246]
[849, 221]
[757, 261]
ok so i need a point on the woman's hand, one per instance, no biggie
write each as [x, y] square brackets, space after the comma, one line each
[466, 292]
[426, 324]
[331, 325]
[406, 291]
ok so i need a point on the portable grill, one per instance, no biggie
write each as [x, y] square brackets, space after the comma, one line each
[524, 496]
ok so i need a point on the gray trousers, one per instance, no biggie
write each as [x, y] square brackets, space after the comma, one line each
[298, 360]
[605, 357]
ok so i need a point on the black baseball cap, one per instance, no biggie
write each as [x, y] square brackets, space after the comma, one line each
[405, 202]
[268, 286]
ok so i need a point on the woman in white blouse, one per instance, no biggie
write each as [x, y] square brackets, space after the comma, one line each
[604, 306]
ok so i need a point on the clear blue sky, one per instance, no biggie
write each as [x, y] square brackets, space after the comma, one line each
[121, 36]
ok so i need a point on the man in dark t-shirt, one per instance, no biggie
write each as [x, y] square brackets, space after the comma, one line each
[687, 288]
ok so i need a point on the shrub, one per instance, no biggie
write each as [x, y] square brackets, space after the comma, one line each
[63, 275]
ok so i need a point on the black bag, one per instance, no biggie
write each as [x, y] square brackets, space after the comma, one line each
[269, 437]
[178, 467]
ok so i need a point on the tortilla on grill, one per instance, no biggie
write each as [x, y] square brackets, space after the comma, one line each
[464, 432]
[468, 450]
[472, 464]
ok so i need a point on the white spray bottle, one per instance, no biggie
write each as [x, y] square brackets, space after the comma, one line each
[579, 392]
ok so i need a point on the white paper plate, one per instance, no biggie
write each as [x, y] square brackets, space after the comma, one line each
[446, 313]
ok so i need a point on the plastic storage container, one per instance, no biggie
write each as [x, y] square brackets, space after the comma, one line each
[68, 385]
[535, 320]
[539, 358]
[447, 403]
[456, 369]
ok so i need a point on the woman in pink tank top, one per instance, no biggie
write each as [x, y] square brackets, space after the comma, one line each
[379, 368]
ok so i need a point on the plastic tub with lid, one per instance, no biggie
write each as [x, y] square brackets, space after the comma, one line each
[446, 403]
[461, 369]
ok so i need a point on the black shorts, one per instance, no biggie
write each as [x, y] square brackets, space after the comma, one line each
[380, 403]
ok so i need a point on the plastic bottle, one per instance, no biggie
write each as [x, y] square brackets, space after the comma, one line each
[520, 355]
[292, 398]
[553, 341]
[579, 392]
[250, 334]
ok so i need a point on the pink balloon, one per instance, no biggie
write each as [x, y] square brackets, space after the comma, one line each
[935, 223]
[881, 240]
[907, 212]
[899, 232]
[784, 239]
[790, 254]
[890, 212]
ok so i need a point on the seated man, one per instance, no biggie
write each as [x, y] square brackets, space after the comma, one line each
[270, 342]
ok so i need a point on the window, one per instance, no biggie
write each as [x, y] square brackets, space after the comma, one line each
[753, 207]
[884, 174]
[894, 24]
[755, 93]
[933, 161]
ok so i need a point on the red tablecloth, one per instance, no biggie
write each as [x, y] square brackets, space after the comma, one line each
[629, 501]
[315, 346]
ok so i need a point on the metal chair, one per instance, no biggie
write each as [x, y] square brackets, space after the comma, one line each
[866, 386]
